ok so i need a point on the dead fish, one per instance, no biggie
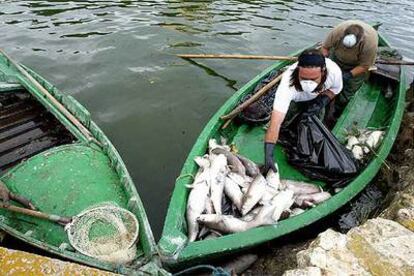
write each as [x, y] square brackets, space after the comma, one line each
[212, 235]
[218, 171]
[296, 211]
[242, 181]
[252, 169]
[203, 162]
[352, 140]
[195, 206]
[273, 178]
[233, 162]
[358, 152]
[311, 200]
[270, 192]
[299, 187]
[212, 144]
[232, 190]
[224, 224]
[209, 206]
[264, 215]
[254, 194]
[252, 214]
[374, 139]
[282, 202]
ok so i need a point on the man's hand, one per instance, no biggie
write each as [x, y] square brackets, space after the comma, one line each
[347, 75]
[269, 162]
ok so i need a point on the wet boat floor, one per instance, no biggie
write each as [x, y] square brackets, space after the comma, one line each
[26, 129]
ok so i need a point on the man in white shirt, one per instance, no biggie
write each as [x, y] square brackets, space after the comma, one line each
[313, 80]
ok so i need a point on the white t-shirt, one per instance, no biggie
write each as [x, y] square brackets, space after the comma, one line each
[286, 93]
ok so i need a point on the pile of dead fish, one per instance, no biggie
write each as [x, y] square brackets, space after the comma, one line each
[364, 142]
[229, 195]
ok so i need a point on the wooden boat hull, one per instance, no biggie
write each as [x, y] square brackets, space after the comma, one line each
[368, 108]
[65, 177]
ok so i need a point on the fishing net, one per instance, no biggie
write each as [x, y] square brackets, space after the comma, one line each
[105, 232]
[260, 110]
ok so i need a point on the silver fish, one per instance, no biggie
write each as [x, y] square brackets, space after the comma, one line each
[252, 169]
[225, 224]
[195, 207]
[352, 140]
[233, 162]
[254, 194]
[209, 206]
[252, 214]
[310, 200]
[296, 211]
[212, 235]
[212, 144]
[299, 187]
[242, 181]
[218, 171]
[374, 139]
[282, 202]
[202, 162]
[273, 178]
[269, 194]
[358, 152]
[232, 190]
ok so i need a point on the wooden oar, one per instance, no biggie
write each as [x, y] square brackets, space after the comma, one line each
[37, 214]
[287, 58]
[224, 56]
[58, 105]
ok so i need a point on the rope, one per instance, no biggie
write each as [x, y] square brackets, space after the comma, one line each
[215, 271]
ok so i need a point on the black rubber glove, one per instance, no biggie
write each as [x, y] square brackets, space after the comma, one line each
[316, 105]
[347, 75]
[269, 162]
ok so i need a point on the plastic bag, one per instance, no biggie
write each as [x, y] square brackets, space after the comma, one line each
[313, 150]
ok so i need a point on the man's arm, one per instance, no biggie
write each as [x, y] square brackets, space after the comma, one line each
[325, 51]
[359, 70]
[272, 133]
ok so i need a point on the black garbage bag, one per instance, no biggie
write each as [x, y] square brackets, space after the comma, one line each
[312, 149]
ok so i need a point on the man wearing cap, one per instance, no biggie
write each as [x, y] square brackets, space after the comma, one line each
[308, 86]
[353, 45]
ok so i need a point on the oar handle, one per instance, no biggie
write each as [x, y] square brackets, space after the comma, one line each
[37, 214]
[225, 56]
[58, 105]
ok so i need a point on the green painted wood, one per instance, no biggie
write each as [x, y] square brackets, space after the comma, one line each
[368, 108]
[67, 179]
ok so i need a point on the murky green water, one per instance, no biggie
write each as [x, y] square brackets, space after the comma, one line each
[117, 58]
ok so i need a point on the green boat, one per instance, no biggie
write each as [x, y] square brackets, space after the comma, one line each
[369, 108]
[61, 167]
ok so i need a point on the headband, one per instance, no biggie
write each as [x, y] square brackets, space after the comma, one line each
[311, 60]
